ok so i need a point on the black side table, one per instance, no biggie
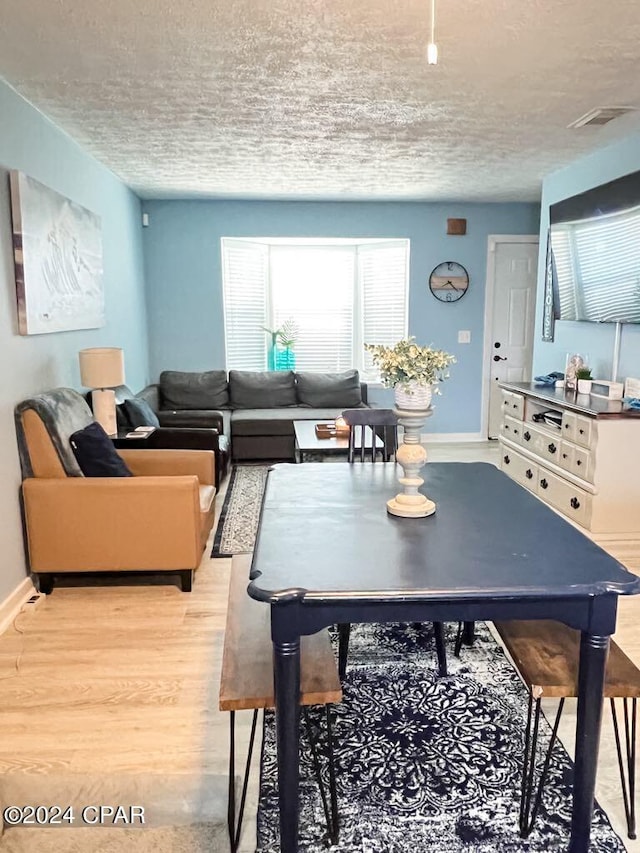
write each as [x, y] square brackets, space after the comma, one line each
[180, 438]
[127, 438]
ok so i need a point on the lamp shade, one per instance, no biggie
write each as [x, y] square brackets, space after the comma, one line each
[101, 367]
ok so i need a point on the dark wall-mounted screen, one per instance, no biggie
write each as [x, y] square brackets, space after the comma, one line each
[595, 241]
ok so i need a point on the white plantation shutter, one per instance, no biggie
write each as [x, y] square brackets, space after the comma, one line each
[244, 276]
[383, 272]
[339, 295]
[314, 286]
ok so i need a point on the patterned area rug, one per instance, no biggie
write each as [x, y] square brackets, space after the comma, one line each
[427, 763]
[238, 523]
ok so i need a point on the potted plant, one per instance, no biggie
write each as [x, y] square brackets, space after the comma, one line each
[283, 340]
[583, 375]
[413, 371]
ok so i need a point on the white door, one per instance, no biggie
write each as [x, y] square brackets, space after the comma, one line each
[512, 318]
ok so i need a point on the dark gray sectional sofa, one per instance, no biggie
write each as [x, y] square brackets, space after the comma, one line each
[255, 409]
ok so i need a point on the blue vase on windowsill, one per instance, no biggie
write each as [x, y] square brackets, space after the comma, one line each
[281, 358]
[271, 357]
[285, 358]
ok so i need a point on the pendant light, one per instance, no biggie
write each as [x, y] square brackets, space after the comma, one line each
[432, 47]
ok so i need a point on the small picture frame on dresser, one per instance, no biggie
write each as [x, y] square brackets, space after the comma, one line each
[632, 388]
[574, 362]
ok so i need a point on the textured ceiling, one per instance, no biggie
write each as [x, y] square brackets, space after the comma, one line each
[327, 99]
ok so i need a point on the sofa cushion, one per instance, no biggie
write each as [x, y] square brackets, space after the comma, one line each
[122, 393]
[96, 455]
[268, 422]
[204, 390]
[264, 389]
[151, 395]
[329, 389]
[139, 413]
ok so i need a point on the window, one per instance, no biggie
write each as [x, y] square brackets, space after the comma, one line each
[339, 293]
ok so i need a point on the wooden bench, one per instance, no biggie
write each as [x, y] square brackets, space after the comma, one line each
[246, 683]
[547, 656]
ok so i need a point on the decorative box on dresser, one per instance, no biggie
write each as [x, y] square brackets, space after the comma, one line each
[587, 467]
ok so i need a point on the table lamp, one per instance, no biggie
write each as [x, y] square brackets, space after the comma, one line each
[102, 368]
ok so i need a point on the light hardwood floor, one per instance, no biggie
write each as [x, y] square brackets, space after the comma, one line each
[120, 683]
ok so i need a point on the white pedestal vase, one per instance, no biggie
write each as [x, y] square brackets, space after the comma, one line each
[413, 397]
[412, 411]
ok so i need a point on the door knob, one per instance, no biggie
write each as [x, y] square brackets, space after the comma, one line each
[499, 358]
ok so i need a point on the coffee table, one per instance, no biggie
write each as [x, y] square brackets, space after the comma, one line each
[310, 447]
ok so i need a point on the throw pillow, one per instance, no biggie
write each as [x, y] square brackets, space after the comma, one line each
[262, 389]
[96, 455]
[204, 390]
[326, 390]
[139, 413]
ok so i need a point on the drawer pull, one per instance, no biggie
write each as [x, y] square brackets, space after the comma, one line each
[506, 460]
[527, 436]
[552, 448]
[566, 426]
[575, 503]
[528, 473]
[515, 405]
[578, 461]
[544, 483]
[581, 431]
[564, 455]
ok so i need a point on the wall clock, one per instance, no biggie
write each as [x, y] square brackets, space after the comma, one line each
[449, 281]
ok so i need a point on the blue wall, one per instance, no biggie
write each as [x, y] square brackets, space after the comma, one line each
[593, 339]
[31, 143]
[182, 259]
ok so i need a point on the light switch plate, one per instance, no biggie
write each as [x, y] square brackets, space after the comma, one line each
[464, 337]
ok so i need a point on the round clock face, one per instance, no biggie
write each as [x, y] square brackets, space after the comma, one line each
[449, 281]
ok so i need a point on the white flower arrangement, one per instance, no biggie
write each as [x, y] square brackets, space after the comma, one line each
[406, 362]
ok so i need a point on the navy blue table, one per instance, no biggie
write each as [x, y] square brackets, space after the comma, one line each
[327, 552]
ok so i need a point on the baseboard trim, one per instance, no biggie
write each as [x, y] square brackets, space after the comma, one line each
[452, 437]
[10, 607]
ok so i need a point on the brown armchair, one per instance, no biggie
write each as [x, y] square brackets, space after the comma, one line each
[156, 521]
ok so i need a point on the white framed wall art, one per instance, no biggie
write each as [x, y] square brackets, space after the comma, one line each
[57, 246]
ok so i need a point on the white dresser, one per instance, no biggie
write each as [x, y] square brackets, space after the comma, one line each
[587, 466]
